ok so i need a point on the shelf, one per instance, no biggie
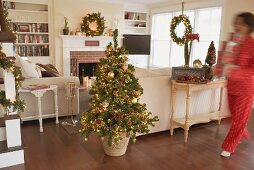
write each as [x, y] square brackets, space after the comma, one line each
[199, 118]
[194, 119]
[135, 33]
[29, 22]
[31, 44]
[136, 27]
[39, 33]
[135, 22]
[131, 20]
[33, 56]
[29, 11]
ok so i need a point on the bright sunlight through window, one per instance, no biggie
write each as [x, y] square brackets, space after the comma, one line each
[206, 22]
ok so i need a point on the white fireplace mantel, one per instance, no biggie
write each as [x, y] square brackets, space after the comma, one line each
[77, 43]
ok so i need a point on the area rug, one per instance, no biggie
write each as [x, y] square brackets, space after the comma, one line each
[70, 128]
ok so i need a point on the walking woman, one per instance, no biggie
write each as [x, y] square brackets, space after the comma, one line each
[240, 82]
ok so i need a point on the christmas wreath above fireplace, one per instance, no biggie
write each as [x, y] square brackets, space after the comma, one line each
[93, 24]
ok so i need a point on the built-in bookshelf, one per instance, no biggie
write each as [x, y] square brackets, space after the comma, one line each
[135, 22]
[30, 22]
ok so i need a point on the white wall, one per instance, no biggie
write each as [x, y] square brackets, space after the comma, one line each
[76, 10]
[231, 8]
[188, 4]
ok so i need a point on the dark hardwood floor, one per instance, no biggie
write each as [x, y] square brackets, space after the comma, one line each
[55, 149]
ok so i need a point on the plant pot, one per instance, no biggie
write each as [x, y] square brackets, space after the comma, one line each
[118, 149]
[66, 31]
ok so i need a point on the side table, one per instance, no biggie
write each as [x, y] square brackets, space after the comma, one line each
[38, 94]
[190, 120]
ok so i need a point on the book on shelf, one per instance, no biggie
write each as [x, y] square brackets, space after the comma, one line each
[29, 51]
[30, 27]
[36, 87]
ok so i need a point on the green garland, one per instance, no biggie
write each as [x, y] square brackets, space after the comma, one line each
[94, 17]
[9, 66]
[174, 23]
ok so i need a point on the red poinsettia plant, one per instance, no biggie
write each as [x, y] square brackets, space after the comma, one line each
[189, 38]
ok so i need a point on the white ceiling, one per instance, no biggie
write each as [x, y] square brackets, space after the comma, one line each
[146, 1]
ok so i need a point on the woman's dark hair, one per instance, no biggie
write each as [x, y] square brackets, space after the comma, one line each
[248, 19]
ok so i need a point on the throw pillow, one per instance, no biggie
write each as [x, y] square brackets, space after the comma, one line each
[28, 69]
[1, 80]
[47, 74]
[49, 68]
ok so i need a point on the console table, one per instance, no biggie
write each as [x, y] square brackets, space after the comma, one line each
[38, 94]
[190, 120]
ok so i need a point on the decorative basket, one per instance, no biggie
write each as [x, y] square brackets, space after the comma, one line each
[118, 149]
[197, 72]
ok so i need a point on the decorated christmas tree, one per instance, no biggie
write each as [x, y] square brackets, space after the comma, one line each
[114, 105]
[211, 55]
[210, 60]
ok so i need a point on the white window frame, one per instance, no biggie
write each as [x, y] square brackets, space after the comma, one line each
[151, 58]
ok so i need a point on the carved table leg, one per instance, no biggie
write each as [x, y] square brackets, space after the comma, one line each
[39, 94]
[173, 97]
[186, 126]
[56, 104]
[40, 113]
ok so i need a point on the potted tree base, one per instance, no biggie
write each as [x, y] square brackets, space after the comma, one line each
[118, 149]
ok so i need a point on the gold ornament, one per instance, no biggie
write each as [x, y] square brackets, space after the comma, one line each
[197, 64]
[105, 104]
[125, 66]
[138, 93]
[135, 100]
[111, 74]
[115, 92]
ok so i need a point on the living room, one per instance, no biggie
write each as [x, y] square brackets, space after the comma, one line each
[52, 35]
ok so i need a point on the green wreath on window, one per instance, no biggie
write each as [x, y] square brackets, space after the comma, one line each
[9, 66]
[93, 24]
[174, 23]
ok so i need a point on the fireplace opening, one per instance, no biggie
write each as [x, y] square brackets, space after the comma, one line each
[86, 69]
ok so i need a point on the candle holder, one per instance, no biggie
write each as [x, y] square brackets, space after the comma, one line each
[85, 81]
[70, 93]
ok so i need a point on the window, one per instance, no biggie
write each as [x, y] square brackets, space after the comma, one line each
[165, 52]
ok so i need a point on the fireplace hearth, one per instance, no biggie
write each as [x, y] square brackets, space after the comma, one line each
[83, 63]
[76, 50]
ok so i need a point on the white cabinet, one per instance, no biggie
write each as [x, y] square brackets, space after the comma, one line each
[135, 22]
[31, 23]
[138, 60]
